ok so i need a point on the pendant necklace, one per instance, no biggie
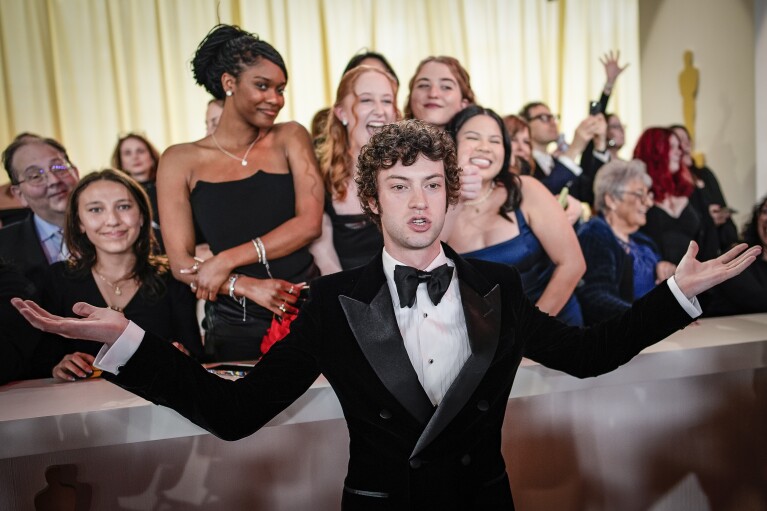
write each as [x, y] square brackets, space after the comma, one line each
[477, 202]
[244, 160]
[114, 285]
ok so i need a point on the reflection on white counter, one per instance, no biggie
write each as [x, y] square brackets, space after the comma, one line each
[44, 422]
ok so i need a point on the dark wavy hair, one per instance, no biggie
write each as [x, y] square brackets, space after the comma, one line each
[147, 268]
[117, 161]
[750, 231]
[653, 149]
[510, 181]
[525, 111]
[230, 49]
[404, 142]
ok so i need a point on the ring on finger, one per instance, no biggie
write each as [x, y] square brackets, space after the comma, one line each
[290, 291]
[193, 286]
[282, 307]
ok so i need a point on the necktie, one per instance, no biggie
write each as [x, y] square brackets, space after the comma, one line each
[63, 253]
[407, 280]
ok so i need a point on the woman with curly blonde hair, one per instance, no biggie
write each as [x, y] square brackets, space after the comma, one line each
[365, 102]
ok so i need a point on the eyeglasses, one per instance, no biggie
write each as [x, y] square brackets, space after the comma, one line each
[38, 176]
[642, 196]
[545, 118]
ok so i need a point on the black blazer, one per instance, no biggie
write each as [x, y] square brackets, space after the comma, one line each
[20, 247]
[404, 453]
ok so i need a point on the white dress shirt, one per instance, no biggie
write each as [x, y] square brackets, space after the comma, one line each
[545, 162]
[435, 336]
[51, 239]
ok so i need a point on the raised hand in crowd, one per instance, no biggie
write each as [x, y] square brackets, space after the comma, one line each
[612, 69]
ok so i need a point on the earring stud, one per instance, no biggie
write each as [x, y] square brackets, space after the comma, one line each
[229, 93]
[345, 122]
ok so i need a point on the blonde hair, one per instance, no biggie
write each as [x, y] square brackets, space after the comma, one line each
[333, 153]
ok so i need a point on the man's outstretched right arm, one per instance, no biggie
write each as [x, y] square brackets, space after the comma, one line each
[158, 372]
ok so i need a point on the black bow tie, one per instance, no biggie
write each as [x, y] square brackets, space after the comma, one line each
[407, 280]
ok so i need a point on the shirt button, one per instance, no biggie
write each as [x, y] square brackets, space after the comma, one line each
[415, 463]
[431, 360]
[425, 315]
[483, 406]
[385, 414]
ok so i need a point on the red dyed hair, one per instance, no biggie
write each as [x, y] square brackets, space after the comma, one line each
[653, 149]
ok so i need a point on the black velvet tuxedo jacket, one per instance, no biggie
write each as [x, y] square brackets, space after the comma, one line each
[404, 453]
[21, 248]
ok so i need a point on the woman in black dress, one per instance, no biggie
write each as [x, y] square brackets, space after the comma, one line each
[135, 155]
[365, 101]
[747, 293]
[719, 231]
[110, 239]
[253, 188]
[672, 222]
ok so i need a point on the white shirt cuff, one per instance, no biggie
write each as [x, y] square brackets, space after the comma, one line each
[112, 358]
[570, 164]
[604, 157]
[691, 306]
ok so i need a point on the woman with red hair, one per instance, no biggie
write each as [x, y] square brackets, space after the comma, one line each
[672, 222]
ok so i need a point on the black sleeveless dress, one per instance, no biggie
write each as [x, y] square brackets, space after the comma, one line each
[355, 237]
[232, 213]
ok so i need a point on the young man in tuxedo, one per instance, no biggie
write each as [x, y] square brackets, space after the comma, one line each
[420, 346]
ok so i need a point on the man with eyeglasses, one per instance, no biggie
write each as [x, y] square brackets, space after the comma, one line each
[561, 170]
[42, 178]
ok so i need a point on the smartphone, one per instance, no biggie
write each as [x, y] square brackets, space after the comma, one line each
[594, 108]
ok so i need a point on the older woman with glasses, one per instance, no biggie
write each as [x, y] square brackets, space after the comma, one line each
[622, 264]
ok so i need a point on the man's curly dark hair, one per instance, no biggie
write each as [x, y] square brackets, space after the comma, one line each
[404, 142]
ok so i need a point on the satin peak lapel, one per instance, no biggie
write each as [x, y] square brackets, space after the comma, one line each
[378, 335]
[483, 322]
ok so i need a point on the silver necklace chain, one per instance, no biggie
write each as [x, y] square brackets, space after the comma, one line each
[243, 161]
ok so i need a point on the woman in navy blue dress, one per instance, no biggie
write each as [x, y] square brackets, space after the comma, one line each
[514, 220]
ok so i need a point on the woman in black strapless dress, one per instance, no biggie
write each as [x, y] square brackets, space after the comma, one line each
[365, 101]
[672, 222]
[253, 189]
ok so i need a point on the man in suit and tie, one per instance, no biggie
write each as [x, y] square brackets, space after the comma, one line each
[560, 169]
[420, 346]
[42, 178]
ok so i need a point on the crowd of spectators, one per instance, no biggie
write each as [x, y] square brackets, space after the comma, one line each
[256, 209]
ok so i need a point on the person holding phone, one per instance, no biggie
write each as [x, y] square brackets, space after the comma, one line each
[421, 346]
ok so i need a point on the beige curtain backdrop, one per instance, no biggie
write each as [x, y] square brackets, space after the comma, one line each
[85, 71]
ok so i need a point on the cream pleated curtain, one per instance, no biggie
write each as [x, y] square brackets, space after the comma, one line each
[86, 71]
